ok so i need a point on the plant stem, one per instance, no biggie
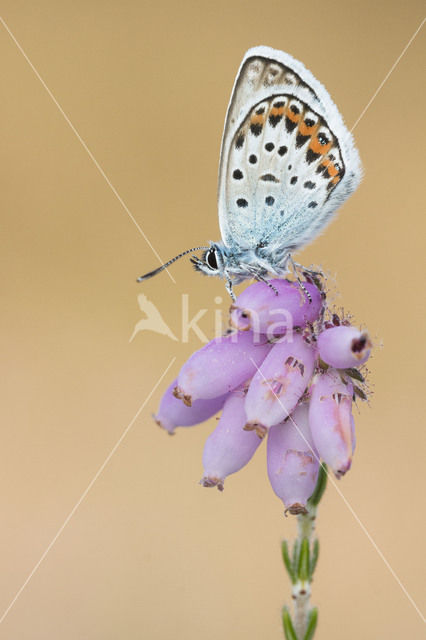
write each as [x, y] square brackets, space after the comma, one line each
[301, 567]
[302, 588]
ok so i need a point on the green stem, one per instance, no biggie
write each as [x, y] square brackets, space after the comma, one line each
[301, 568]
[302, 587]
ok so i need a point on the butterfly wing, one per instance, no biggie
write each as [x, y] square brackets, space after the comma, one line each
[287, 159]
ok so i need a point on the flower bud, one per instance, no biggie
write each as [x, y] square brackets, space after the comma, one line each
[173, 413]
[343, 347]
[292, 460]
[258, 307]
[279, 383]
[331, 421]
[229, 447]
[220, 366]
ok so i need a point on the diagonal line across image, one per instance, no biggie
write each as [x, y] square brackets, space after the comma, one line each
[86, 491]
[86, 148]
[125, 432]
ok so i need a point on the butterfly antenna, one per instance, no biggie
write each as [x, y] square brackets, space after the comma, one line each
[151, 274]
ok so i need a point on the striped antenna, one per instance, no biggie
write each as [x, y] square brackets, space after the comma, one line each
[151, 274]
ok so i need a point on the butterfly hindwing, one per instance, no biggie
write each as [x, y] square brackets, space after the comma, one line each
[287, 159]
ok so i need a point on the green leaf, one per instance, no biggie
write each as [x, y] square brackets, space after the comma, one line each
[314, 558]
[320, 486]
[289, 631]
[312, 624]
[354, 373]
[295, 559]
[287, 562]
[303, 566]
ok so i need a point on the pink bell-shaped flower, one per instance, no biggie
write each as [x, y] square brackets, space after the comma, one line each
[343, 347]
[229, 447]
[331, 421]
[293, 462]
[173, 413]
[279, 383]
[259, 309]
[221, 366]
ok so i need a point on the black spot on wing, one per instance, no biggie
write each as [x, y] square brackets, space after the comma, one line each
[290, 125]
[274, 119]
[269, 146]
[324, 171]
[311, 156]
[300, 140]
[309, 184]
[239, 141]
[312, 205]
[269, 177]
[237, 174]
[293, 180]
[242, 202]
[252, 159]
[256, 129]
[282, 150]
[269, 200]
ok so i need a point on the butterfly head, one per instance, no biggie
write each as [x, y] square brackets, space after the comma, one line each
[212, 261]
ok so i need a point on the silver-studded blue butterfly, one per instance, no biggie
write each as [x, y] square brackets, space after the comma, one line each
[287, 163]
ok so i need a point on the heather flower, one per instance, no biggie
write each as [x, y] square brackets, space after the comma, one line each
[279, 383]
[258, 307]
[173, 413]
[331, 421]
[343, 347]
[229, 448]
[292, 460]
[298, 382]
[221, 366]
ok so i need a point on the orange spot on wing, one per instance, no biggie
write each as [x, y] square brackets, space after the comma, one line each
[317, 147]
[257, 119]
[277, 111]
[325, 164]
[304, 130]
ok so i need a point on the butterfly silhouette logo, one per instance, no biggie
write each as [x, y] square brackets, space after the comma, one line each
[153, 320]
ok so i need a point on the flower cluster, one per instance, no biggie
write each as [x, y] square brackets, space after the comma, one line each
[288, 369]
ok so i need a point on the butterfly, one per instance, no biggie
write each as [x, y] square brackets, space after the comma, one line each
[287, 162]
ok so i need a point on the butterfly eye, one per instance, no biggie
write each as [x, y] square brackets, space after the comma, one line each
[211, 259]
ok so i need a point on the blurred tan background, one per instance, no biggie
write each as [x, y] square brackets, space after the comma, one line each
[149, 553]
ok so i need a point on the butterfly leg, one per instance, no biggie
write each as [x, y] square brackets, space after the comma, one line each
[301, 285]
[270, 285]
[261, 278]
[230, 289]
[310, 272]
[314, 277]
